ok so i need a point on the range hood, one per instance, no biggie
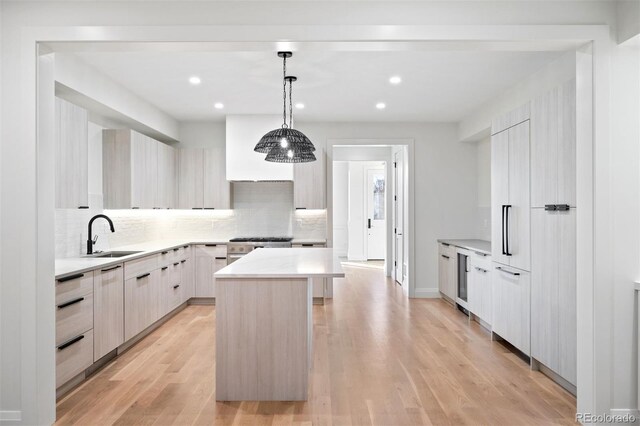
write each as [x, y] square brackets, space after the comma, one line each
[243, 163]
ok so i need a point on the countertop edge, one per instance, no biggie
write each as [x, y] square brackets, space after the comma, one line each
[275, 276]
[637, 285]
[460, 244]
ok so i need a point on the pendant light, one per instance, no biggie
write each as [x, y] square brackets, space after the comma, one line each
[286, 145]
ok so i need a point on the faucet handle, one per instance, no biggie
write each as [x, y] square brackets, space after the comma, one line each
[95, 239]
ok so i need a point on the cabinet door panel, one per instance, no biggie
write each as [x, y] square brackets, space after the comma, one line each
[544, 287]
[309, 182]
[108, 327]
[166, 181]
[190, 179]
[511, 309]
[566, 159]
[144, 174]
[567, 317]
[205, 286]
[142, 302]
[518, 215]
[71, 158]
[544, 149]
[499, 192]
[216, 187]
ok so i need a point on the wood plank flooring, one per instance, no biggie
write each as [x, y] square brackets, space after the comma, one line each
[378, 359]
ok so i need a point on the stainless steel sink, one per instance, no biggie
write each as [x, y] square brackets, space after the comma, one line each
[114, 254]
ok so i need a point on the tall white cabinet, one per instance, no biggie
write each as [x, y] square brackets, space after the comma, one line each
[71, 142]
[553, 226]
[202, 182]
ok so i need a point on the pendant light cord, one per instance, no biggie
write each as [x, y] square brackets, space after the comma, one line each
[290, 104]
[284, 92]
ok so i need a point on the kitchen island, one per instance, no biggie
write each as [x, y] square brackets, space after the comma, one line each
[264, 323]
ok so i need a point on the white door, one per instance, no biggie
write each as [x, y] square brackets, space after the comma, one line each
[376, 214]
[398, 214]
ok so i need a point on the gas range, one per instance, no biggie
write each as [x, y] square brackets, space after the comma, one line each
[238, 247]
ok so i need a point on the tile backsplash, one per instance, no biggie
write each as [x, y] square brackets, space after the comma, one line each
[136, 226]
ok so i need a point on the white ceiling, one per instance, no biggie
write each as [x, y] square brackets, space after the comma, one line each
[334, 86]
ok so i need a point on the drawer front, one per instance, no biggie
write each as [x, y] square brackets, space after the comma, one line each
[69, 289]
[447, 250]
[165, 257]
[138, 267]
[73, 357]
[483, 262]
[179, 253]
[219, 250]
[74, 317]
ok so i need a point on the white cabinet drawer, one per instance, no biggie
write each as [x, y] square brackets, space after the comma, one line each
[73, 357]
[212, 250]
[74, 317]
[73, 286]
[135, 268]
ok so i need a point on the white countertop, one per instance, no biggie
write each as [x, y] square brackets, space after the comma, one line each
[481, 246]
[74, 265]
[285, 263]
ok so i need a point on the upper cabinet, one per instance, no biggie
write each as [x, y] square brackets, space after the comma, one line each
[242, 134]
[71, 142]
[309, 181]
[136, 169]
[201, 179]
[553, 147]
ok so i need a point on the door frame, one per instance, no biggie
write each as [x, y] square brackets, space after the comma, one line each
[397, 176]
[31, 262]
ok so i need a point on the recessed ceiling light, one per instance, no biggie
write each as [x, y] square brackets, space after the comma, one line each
[381, 105]
[218, 105]
[396, 79]
[300, 105]
[195, 80]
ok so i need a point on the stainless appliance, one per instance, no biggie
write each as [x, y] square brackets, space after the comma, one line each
[238, 247]
[463, 269]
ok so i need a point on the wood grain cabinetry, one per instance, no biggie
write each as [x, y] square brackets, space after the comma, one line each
[479, 288]
[210, 258]
[309, 182]
[511, 305]
[201, 179]
[142, 302]
[71, 158]
[135, 166]
[108, 290]
[320, 285]
[447, 275]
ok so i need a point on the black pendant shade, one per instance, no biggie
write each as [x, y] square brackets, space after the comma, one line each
[286, 145]
[289, 155]
[284, 137]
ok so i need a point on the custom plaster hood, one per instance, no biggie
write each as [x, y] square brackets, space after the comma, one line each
[243, 163]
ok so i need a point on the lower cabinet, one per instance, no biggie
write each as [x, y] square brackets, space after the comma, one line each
[447, 275]
[479, 288]
[511, 305]
[108, 310]
[210, 258]
[73, 357]
[142, 302]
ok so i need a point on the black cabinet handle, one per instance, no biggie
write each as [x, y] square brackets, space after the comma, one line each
[111, 269]
[135, 208]
[481, 270]
[71, 302]
[83, 207]
[70, 277]
[143, 276]
[507, 207]
[164, 268]
[369, 223]
[196, 208]
[182, 261]
[71, 342]
[220, 258]
[502, 225]
[445, 256]
[176, 249]
[176, 286]
[185, 247]
[307, 245]
[481, 254]
[209, 208]
[445, 244]
[508, 272]
[176, 264]
[563, 207]
[211, 245]
[550, 207]
[165, 252]
[301, 208]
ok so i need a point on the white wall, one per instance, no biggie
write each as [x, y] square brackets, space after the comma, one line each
[628, 15]
[202, 134]
[340, 207]
[445, 185]
[477, 125]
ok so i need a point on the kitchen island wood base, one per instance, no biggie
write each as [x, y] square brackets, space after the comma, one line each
[263, 338]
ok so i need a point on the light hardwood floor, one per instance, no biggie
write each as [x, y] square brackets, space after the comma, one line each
[378, 359]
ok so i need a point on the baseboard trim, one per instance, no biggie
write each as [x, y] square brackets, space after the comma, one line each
[427, 293]
[625, 411]
[10, 416]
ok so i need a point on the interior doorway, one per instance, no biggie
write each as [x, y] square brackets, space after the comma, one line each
[375, 186]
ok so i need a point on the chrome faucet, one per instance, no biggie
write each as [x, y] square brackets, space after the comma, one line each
[91, 242]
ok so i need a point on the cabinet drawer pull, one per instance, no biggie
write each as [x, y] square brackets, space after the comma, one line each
[71, 302]
[445, 256]
[176, 249]
[481, 254]
[143, 276]
[111, 269]
[165, 252]
[176, 264]
[307, 245]
[563, 207]
[220, 258]
[83, 207]
[301, 208]
[164, 267]
[176, 286]
[550, 207]
[70, 342]
[182, 261]
[508, 272]
[196, 208]
[209, 208]
[481, 270]
[211, 245]
[445, 244]
[185, 247]
[70, 277]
